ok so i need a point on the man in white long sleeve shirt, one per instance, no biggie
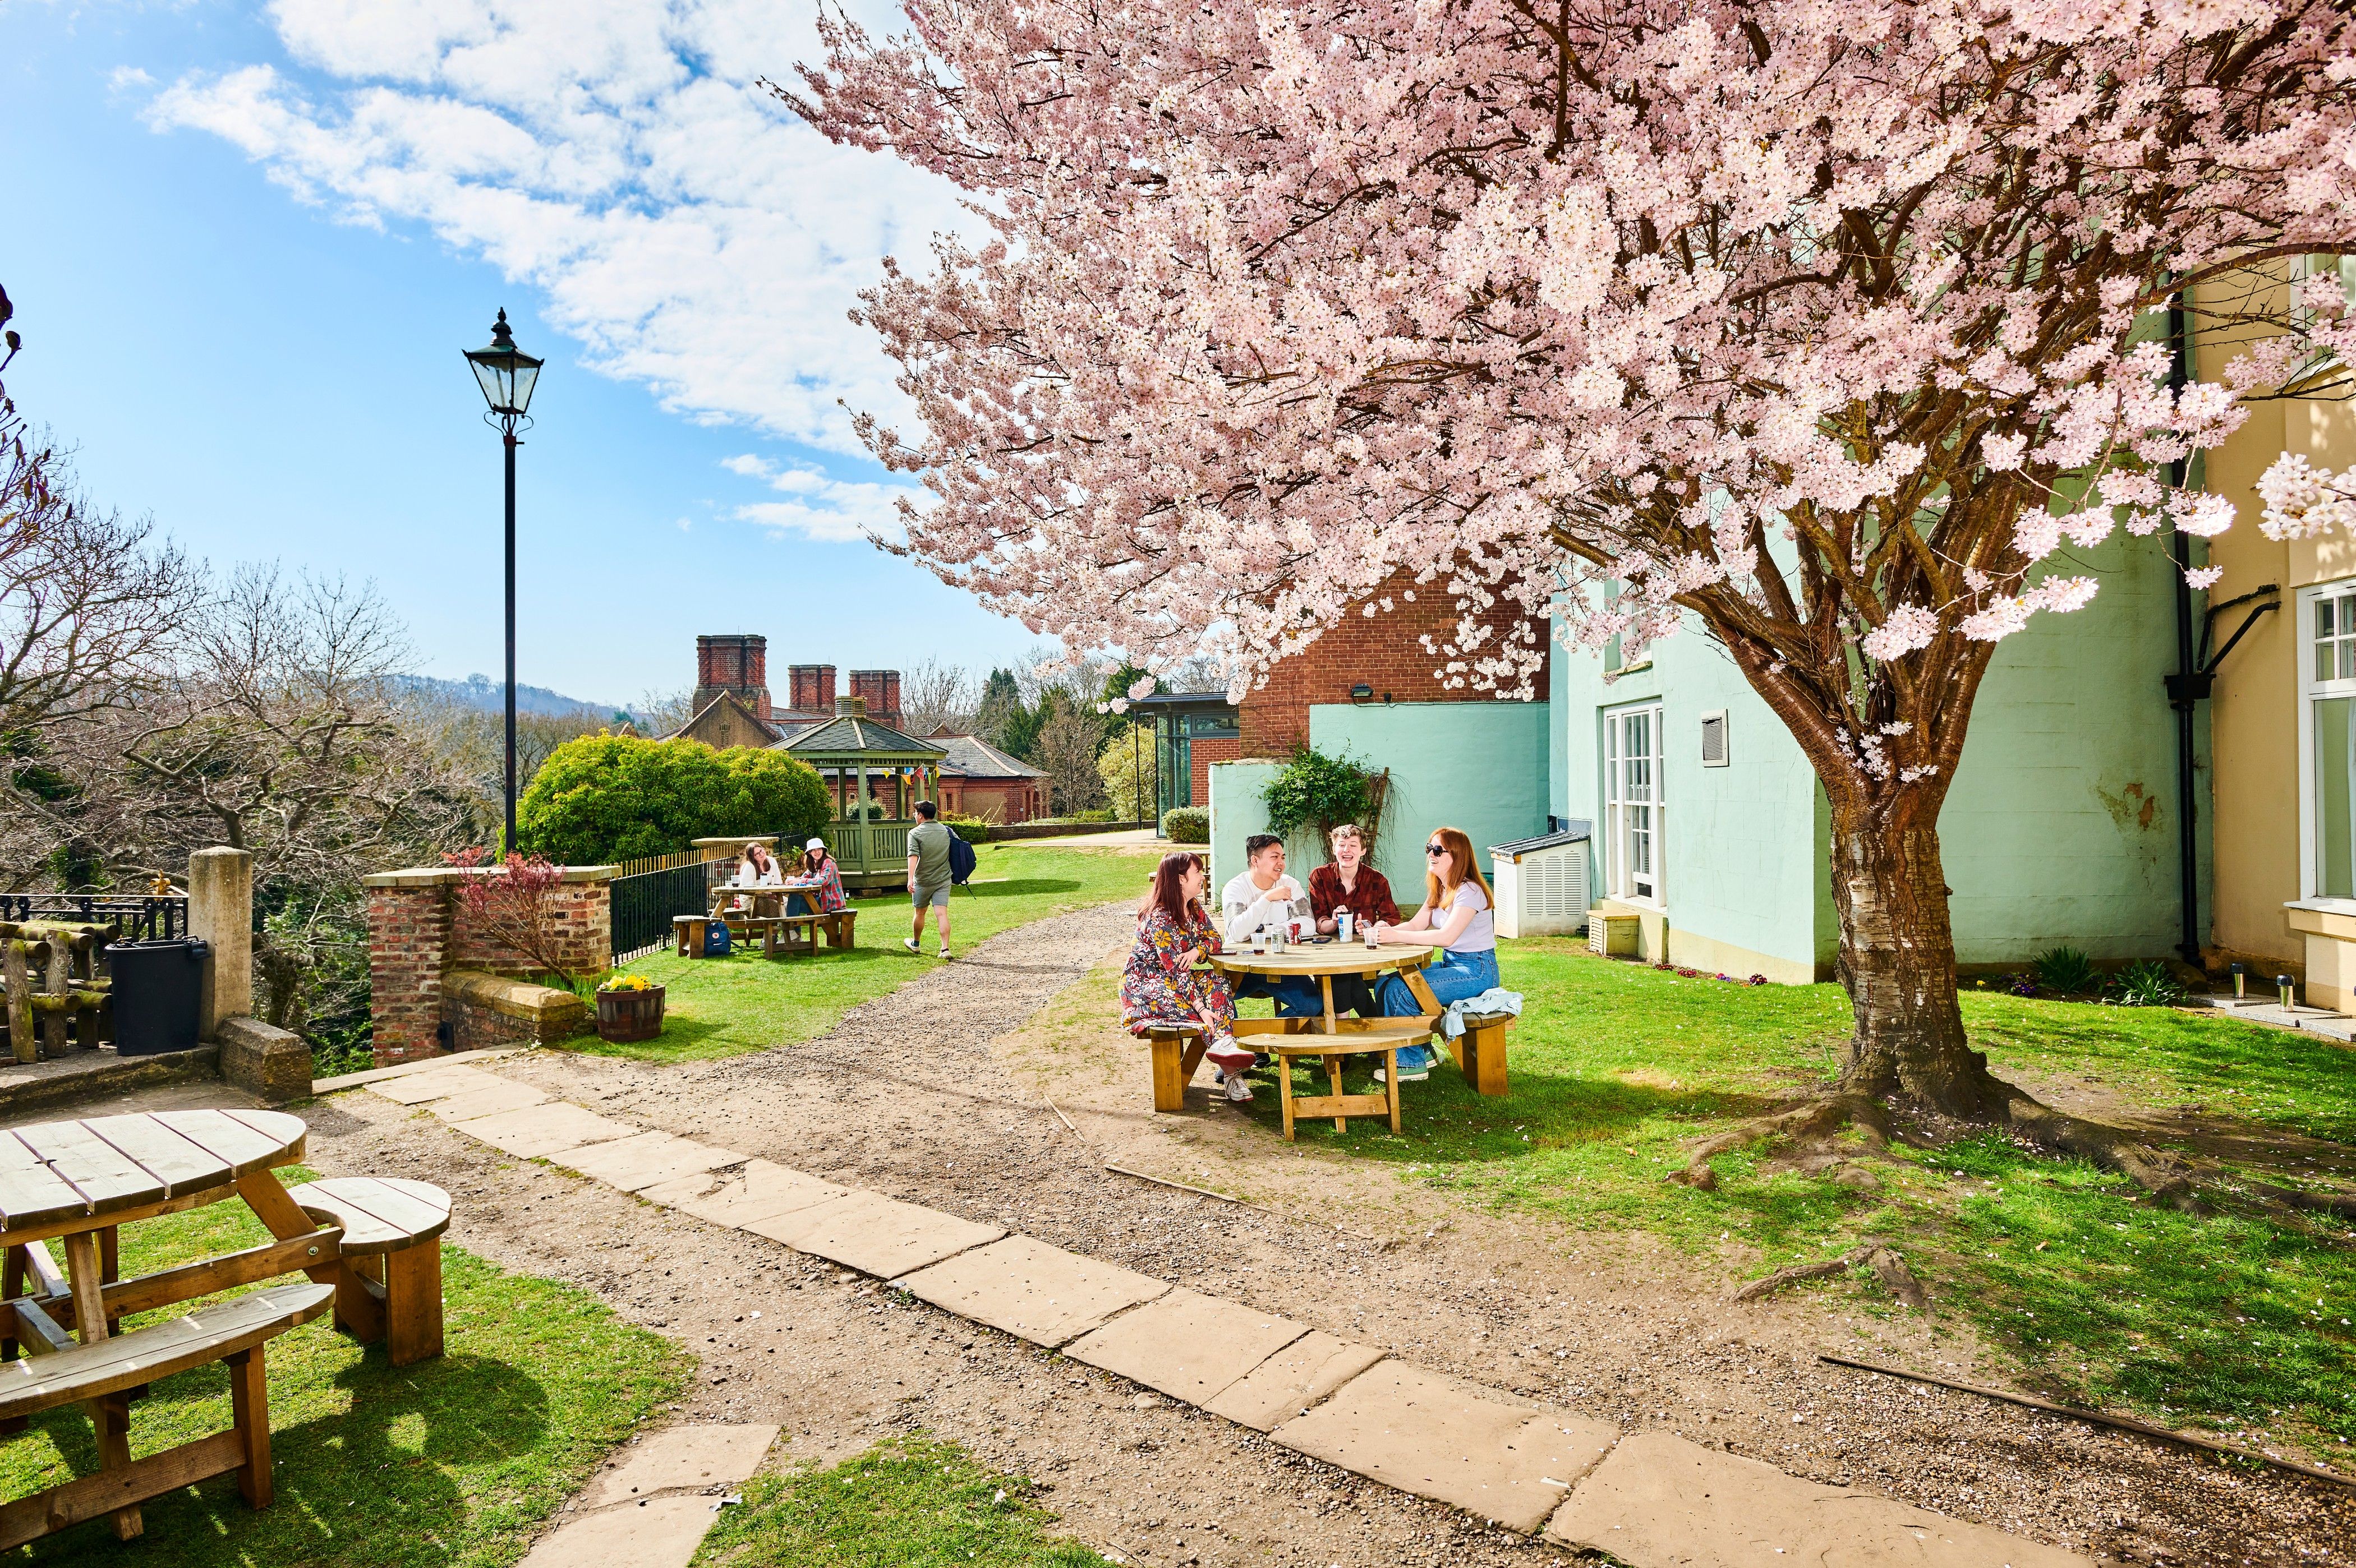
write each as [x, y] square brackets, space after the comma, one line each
[1261, 898]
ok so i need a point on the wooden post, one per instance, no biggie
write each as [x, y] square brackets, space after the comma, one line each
[413, 1303]
[61, 976]
[17, 973]
[248, 1402]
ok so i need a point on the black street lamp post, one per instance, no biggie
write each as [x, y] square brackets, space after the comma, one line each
[507, 375]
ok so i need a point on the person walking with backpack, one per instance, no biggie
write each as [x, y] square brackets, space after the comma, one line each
[930, 873]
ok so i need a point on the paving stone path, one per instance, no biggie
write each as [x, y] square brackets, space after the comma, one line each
[653, 1504]
[1651, 1500]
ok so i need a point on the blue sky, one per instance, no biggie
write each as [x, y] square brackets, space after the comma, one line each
[248, 244]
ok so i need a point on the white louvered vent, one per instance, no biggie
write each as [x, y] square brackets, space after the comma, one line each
[1542, 892]
[1713, 739]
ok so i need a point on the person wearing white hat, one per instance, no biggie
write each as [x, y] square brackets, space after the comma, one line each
[817, 863]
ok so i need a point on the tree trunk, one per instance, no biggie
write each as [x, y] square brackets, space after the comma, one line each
[1898, 962]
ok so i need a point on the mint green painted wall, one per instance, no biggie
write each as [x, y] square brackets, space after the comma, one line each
[2061, 827]
[1237, 814]
[1741, 855]
[1480, 765]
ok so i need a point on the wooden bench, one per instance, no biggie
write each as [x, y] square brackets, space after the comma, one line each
[788, 935]
[840, 928]
[1177, 1051]
[1385, 1038]
[105, 1372]
[388, 1285]
[1480, 1051]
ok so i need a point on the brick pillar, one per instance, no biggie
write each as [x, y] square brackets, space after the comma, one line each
[409, 946]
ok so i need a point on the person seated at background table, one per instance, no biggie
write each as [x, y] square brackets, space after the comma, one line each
[1262, 898]
[1347, 882]
[1161, 985]
[819, 864]
[1458, 916]
[757, 867]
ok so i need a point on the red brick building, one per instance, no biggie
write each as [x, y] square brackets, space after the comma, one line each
[1384, 654]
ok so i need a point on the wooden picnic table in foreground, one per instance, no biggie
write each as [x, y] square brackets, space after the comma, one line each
[78, 1182]
[1330, 1037]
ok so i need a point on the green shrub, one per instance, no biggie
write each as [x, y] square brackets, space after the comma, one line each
[1316, 791]
[602, 798]
[2150, 983]
[2067, 972]
[1186, 825]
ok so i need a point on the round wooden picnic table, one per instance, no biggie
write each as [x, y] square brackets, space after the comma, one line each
[79, 1180]
[1330, 1037]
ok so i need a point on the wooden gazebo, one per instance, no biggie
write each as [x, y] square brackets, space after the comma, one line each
[877, 774]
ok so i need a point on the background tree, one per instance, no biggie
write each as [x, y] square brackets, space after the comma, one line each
[1070, 738]
[1795, 320]
[1001, 704]
[936, 699]
[1127, 765]
[603, 798]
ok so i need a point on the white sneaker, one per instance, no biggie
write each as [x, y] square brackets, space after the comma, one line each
[1238, 1090]
[944, 952]
[910, 944]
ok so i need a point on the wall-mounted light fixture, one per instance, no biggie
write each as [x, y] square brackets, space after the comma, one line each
[1361, 692]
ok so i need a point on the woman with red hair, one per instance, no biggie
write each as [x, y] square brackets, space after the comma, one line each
[1161, 985]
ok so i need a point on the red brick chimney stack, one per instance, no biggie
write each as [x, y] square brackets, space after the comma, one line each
[737, 663]
[812, 685]
[880, 690]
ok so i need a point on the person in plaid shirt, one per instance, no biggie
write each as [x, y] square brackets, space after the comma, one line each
[1347, 882]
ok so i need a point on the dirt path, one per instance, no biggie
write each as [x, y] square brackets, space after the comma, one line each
[933, 1094]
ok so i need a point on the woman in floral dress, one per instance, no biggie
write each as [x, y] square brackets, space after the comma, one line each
[1161, 985]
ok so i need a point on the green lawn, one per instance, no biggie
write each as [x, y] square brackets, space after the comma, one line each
[911, 1503]
[1616, 1068]
[721, 1006]
[451, 1461]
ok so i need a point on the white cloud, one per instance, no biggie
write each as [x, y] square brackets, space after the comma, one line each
[821, 505]
[617, 156]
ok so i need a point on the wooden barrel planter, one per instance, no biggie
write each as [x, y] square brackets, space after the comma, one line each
[624, 1016]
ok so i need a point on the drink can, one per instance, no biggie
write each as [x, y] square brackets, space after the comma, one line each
[1341, 921]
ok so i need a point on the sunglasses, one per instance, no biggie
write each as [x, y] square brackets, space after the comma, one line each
[1435, 848]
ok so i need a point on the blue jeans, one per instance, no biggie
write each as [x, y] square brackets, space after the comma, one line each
[1297, 996]
[1456, 976]
[796, 904]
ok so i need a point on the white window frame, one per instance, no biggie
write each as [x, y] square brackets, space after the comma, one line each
[1619, 881]
[2310, 688]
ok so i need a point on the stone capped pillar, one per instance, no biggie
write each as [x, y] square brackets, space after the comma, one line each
[221, 914]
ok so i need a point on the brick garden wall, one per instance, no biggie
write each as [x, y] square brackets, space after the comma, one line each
[409, 933]
[418, 933]
[1383, 651]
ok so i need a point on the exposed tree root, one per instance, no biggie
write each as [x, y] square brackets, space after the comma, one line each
[2164, 1176]
[1874, 1253]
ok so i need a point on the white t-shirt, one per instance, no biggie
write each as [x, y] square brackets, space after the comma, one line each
[1244, 908]
[1480, 935]
[748, 878]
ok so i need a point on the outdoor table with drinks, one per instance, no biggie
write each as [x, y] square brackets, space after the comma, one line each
[1290, 952]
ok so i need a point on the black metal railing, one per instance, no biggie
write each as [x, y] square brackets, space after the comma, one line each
[644, 906]
[139, 918]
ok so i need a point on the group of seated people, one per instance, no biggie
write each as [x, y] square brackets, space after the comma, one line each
[757, 869]
[1162, 983]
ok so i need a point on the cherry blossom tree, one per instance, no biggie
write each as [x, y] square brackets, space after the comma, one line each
[1820, 326]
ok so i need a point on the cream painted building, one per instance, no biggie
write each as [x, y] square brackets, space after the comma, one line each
[2282, 716]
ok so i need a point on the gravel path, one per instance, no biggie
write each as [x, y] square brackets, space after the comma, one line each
[930, 1094]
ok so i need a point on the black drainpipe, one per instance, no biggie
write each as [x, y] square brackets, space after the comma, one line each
[2190, 684]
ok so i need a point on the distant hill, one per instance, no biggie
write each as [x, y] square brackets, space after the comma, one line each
[491, 695]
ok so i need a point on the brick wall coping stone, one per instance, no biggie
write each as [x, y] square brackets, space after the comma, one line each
[450, 876]
[264, 1060]
[734, 844]
[516, 999]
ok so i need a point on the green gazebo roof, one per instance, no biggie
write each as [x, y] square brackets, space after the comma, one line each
[850, 739]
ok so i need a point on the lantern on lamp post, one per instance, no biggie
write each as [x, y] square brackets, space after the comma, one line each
[507, 375]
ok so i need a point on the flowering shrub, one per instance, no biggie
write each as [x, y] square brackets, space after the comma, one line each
[513, 906]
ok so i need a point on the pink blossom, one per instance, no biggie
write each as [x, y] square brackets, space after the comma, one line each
[1279, 303]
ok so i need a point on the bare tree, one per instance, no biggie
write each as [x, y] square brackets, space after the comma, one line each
[1068, 749]
[659, 712]
[936, 698]
[90, 606]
